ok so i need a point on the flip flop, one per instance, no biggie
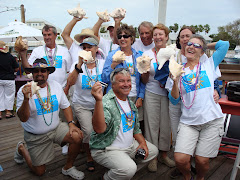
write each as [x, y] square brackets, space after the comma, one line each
[90, 166]
[10, 116]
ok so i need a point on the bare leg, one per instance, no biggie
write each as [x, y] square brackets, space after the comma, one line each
[89, 157]
[183, 164]
[202, 166]
[38, 170]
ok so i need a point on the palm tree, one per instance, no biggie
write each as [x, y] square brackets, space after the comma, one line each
[206, 28]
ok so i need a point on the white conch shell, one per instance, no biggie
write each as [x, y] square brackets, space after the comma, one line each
[29, 76]
[143, 64]
[105, 16]
[77, 12]
[175, 69]
[164, 54]
[21, 44]
[119, 56]
[86, 56]
[118, 12]
[34, 88]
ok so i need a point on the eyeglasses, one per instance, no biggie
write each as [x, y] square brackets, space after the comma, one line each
[37, 70]
[124, 36]
[196, 45]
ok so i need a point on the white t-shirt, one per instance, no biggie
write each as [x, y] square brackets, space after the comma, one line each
[140, 47]
[63, 62]
[130, 65]
[124, 139]
[107, 46]
[75, 48]
[204, 109]
[39, 118]
[82, 94]
[153, 85]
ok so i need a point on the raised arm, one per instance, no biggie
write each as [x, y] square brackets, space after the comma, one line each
[23, 55]
[67, 31]
[97, 26]
[117, 25]
[221, 51]
[98, 119]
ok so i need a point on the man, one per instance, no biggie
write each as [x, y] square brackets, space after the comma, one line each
[117, 136]
[54, 54]
[42, 127]
[145, 42]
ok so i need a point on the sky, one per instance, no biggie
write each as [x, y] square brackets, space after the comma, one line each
[190, 12]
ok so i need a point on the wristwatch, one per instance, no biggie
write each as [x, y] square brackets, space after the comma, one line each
[72, 122]
[78, 70]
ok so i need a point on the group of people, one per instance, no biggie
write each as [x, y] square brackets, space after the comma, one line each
[126, 118]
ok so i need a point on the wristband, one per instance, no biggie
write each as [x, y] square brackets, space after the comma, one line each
[71, 122]
[78, 70]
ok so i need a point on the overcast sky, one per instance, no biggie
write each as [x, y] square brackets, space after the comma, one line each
[190, 12]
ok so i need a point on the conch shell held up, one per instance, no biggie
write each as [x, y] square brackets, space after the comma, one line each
[164, 54]
[175, 69]
[77, 12]
[119, 57]
[143, 64]
[34, 88]
[105, 16]
[118, 12]
[21, 44]
[86, 56]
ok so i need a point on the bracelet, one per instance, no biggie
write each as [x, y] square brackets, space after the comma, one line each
[72, 122]
[78, 70]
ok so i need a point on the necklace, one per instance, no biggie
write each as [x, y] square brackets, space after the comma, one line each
[130, 118]
[155, 54]
[51, 60]
[195, 85]
[45, 105]
[90, 77]
[134, 67]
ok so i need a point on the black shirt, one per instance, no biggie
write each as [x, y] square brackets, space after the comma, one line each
[7, 66]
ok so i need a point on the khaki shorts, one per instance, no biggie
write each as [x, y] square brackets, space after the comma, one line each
[41, 146]
[202, 140]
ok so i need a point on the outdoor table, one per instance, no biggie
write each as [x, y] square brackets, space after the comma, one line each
[230, 107]
[20, 81]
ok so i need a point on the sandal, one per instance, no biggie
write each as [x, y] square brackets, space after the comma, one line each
[18, 158]
[90, 166]
[74, 173]
[9, 116]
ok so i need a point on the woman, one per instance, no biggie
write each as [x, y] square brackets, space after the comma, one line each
[156, 113]
[84, 76]
[8, 66]
[126, 37]
[201, 123]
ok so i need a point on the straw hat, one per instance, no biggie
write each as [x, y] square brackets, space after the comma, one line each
[3, 47]
[85, 32]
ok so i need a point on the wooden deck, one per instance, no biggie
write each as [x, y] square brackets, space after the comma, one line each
[11, 132]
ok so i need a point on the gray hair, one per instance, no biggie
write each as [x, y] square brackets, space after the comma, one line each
[197, 36]
[47, 28]
[123, 71]
[145, 24]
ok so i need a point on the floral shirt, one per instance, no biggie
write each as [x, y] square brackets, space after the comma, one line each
[112, 116]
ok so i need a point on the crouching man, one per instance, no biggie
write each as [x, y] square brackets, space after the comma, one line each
[39, 116]
[117, 138]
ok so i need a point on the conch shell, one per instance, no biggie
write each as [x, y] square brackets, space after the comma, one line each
[77, 12]
[119, 56]
[164, 54]
[118, 12]
[143, 64]
[105, 16]
[21, 44]
[86, 56]
[175, 69]
[34, 88]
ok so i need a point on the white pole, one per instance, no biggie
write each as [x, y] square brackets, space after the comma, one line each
[161, 10]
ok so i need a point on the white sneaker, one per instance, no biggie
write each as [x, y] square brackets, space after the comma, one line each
[65, 150]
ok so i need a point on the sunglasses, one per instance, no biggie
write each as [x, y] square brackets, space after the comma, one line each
[125, 36]
[196, 45]
[37, 70]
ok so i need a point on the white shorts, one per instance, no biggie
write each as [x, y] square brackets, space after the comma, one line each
[202, 140]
